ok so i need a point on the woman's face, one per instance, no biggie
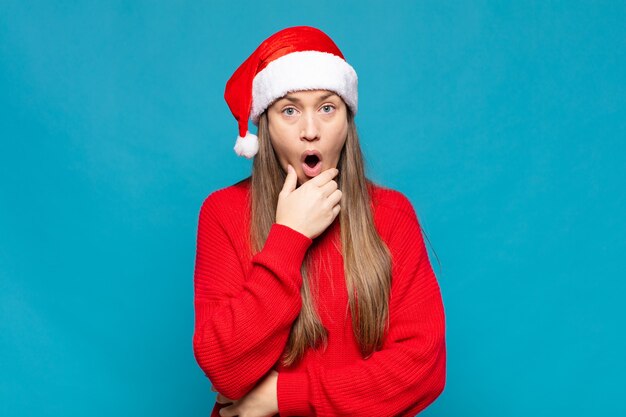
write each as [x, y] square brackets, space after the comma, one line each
[305, 121]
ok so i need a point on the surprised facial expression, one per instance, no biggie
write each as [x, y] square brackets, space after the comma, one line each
[308, 130]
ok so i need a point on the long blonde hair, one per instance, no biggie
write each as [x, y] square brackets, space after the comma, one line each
[367, 260]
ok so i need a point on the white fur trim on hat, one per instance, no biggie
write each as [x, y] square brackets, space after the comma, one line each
[303, 70]
[247, 146]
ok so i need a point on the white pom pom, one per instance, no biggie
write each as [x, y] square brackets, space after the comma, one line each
[247, 146]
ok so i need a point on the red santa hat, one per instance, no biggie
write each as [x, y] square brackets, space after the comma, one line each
[293, 59]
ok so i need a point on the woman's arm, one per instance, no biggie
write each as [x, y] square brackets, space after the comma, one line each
[408, 373]
[242, 323]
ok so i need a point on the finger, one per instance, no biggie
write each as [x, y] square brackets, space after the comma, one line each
[223, 400]
[336, 210]
[324, 177]
[335, 197]
[229, 411]
[290, 181]
[329, 188]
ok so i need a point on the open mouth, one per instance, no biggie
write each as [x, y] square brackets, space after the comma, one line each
[311, 160]
[311, 163]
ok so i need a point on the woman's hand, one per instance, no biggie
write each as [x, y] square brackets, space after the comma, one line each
[220, 398]
[261, 401]
[311, 208]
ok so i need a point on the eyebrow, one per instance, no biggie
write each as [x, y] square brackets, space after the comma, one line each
[296, 100]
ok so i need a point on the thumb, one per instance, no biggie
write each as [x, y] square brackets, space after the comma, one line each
[291, 180]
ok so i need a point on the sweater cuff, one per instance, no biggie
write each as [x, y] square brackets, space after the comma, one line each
[289, 244]
[293, 394]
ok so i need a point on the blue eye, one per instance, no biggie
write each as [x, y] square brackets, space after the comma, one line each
[289, 108]
[329, 106]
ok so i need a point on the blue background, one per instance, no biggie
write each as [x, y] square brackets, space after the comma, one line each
[503, 122]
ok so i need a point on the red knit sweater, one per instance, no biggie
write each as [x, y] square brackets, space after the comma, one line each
[245, 306]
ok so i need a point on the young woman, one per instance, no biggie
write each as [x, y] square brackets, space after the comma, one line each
[313, 290]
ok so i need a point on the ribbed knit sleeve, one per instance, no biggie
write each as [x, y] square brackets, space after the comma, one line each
[408, 373]
[242, 322]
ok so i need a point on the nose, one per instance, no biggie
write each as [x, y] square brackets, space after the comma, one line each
[309, 129]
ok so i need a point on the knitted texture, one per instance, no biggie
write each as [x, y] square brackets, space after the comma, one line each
[245, 306]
